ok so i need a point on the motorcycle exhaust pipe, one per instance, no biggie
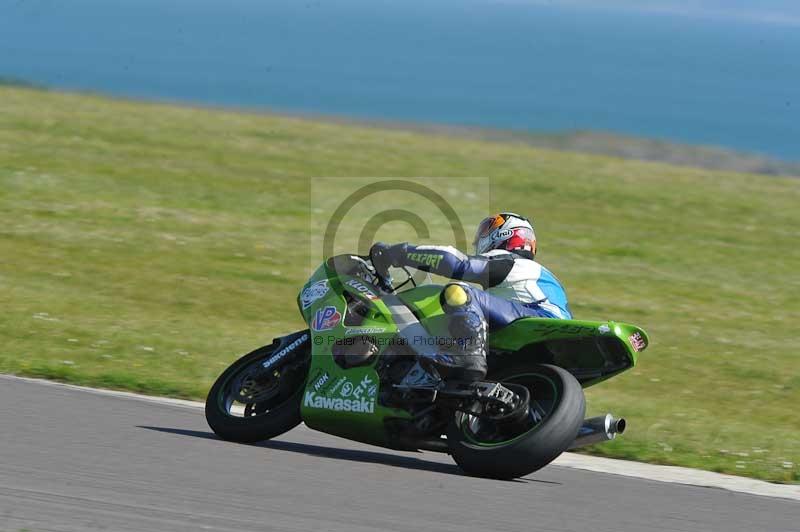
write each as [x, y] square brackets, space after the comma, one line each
[598, 429]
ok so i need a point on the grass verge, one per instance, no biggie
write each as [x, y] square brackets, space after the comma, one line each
[146, 246]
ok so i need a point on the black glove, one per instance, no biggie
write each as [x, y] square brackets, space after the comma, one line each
[383, 256]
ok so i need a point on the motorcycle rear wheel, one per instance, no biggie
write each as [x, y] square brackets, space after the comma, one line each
[558, 406]
[235, 419]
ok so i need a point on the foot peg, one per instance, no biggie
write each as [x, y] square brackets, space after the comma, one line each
[421, 382]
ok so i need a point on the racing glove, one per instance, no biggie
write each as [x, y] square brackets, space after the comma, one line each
[384, 255]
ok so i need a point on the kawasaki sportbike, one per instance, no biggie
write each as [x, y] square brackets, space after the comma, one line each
[364, 370]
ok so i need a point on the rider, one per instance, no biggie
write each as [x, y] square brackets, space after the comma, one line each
[514, 285]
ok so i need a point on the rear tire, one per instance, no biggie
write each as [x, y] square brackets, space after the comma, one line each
[269, 418]
[557, 392]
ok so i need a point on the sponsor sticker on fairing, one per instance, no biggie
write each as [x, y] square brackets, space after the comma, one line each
[326, 318]
[365, 386]
[336, 386]
[362, 289]
[285, 351]
[363, 405]
[364, 330]
[321, 381]
[313, 293]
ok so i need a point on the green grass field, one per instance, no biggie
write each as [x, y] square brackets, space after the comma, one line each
[146, 246]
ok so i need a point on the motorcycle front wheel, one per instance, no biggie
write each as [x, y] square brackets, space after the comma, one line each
[248, 404]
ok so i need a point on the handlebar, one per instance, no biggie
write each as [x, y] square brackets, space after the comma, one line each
[351, 264]
[381, 273]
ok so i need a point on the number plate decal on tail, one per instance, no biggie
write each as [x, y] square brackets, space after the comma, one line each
[637, 342]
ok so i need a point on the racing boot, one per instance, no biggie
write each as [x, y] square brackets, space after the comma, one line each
[464, 358]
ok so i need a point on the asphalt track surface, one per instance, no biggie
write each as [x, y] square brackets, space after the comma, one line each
[76, 461]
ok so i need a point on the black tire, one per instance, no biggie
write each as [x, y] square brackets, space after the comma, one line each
[271, 418]
[538, 446]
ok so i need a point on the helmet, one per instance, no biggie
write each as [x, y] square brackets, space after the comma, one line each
[507, 231]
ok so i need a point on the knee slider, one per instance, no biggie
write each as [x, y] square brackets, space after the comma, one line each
[455, 295]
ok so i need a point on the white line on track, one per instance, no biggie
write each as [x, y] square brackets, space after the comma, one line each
[672, 474]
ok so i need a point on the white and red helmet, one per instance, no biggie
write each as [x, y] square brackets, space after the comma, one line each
[507, 231]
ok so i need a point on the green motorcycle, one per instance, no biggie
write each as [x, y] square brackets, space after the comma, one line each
[365, 370]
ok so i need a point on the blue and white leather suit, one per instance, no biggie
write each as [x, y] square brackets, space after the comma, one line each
[514, 285]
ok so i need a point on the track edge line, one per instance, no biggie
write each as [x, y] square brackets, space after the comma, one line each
[598, 464]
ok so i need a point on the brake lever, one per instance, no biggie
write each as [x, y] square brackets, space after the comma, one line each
[385, 281]
[382, 274]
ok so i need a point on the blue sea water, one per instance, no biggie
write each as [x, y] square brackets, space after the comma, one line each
[513, 64]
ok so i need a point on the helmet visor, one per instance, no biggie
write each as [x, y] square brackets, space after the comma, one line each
[487, 226]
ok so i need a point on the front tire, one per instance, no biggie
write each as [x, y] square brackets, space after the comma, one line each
[233, 418]
[557, 405]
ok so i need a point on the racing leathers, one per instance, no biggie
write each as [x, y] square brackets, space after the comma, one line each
[513, 286]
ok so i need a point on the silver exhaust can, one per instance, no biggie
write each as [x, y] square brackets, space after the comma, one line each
[599, 429]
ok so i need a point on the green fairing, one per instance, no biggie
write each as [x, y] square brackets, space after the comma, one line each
[580, 346]
[343, 402]
[592, 350]
[368, 426]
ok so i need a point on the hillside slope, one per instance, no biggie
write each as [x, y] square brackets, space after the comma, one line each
[145, 246]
